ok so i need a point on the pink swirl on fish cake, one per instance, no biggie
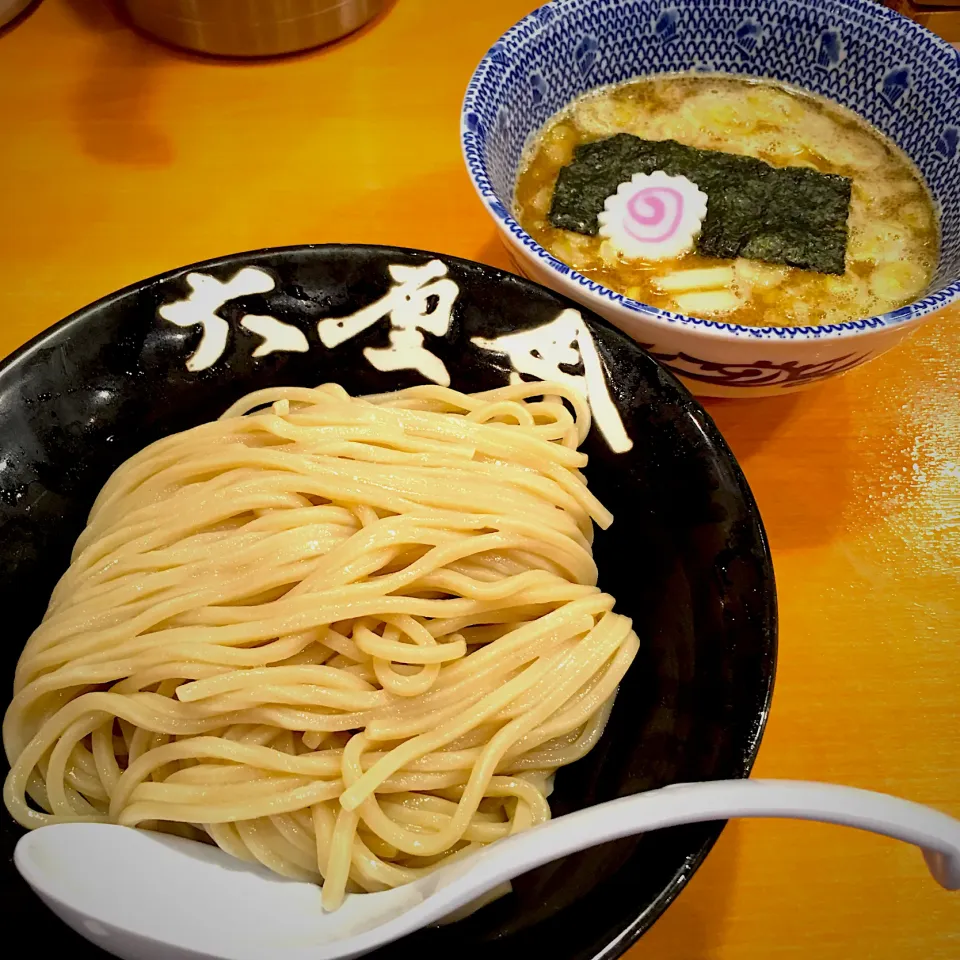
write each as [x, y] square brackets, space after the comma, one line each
[649, 209]
[653, 216]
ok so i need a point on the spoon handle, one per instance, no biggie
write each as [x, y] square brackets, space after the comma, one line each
[936, 833]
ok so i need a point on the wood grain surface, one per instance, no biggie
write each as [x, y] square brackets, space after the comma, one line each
[120, 158]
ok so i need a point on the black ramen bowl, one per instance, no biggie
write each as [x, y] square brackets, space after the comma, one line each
[686, 557]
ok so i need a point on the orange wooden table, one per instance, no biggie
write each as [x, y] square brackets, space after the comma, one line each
[120, 159]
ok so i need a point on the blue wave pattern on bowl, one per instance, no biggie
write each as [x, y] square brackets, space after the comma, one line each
[895, 74]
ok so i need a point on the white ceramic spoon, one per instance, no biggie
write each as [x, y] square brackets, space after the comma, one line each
[146, 896]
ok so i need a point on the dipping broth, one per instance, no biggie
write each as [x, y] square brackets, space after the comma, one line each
[892, 244]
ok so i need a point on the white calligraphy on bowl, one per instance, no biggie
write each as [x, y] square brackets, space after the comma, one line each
[277, 336]
[208, 295]
[408, 305]
[542, 351]
[421, 300]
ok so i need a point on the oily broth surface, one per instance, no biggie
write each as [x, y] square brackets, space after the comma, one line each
[893, 244]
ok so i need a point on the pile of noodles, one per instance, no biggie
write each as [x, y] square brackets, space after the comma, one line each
[349, 638]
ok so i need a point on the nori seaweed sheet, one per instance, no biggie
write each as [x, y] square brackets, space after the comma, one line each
[791, 215]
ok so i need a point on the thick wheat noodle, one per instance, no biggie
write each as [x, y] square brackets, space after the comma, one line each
[348, 638]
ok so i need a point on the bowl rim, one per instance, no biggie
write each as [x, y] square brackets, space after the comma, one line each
[639, 922]
[576, 284]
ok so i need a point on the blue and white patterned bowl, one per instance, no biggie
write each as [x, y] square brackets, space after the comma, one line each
[894, 73]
